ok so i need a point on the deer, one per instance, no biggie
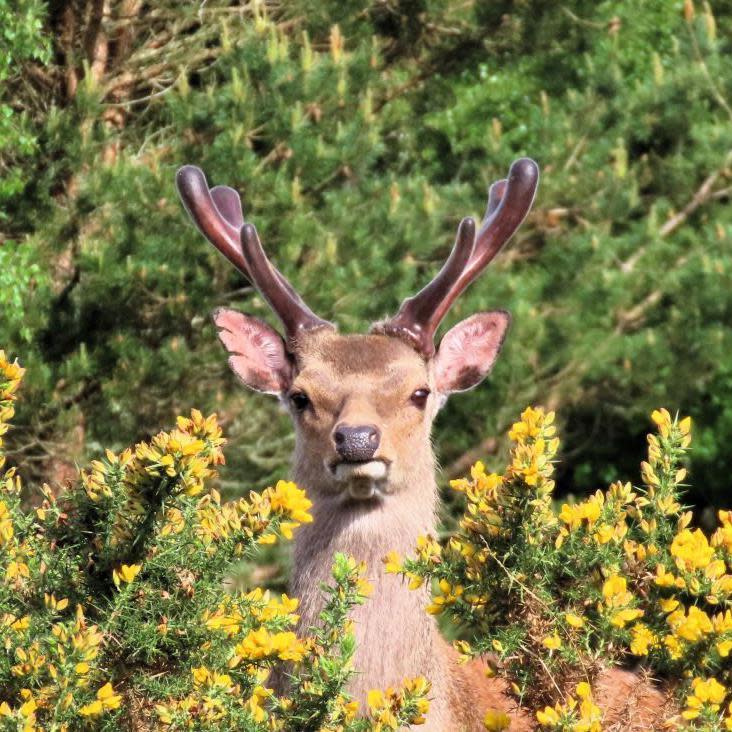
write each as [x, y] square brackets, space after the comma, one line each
[362, 406]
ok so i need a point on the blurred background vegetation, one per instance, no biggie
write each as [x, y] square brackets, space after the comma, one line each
[359, 132]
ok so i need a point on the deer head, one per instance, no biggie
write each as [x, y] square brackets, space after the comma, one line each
[362, 405]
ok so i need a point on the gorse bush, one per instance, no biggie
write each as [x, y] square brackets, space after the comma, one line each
[556, 595]
[112, 604]
[112, 600]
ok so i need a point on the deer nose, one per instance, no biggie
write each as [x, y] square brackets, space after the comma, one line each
[356, 444]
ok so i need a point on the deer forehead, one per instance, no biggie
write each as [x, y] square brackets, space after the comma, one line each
[364, 364]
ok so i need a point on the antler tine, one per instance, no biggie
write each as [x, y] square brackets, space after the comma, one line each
[211, 222]
[495, 196]
[515, 203]
[294, 314]
[228, 203]
[509, 202]
[411, 322]
[218, 214]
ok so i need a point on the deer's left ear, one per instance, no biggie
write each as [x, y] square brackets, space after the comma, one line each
[468, 351]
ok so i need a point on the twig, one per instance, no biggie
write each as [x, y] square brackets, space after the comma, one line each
[705, 70]
[629, 319]
[572, 159]
[513, 577]
[146, 98]
[461, 465]
[562, 695]
[700, 197]
[583, 21]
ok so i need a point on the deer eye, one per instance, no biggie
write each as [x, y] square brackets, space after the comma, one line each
[299, 400]
[419, 397]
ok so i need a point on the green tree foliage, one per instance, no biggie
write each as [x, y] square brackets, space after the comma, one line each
[359, 133]
[21, 41]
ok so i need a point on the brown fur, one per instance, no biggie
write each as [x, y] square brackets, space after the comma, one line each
[630, 702]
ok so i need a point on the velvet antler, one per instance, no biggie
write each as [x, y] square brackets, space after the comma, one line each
[508, 203]
[217, 213]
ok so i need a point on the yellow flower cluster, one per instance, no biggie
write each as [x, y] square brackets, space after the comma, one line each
[180, 461]
[492, 501]
[692, 551]
[496, 721]
[207, 704]
[258, 606]
[722, 537]
[25, 715]
[126, 573]
[15, 553]
[449, 595]
[602, 517]
[386, 708]
[286, 503]
[11, 374]
[262, 644]
[579, 714]
[63, 660]
[707, 696]
[105, 701]
[616, 602]
[534, 449]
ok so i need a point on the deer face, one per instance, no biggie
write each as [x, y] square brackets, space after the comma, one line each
[362, 405]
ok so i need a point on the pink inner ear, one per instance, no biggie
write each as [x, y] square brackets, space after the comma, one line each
[469, 350]
[257, 352]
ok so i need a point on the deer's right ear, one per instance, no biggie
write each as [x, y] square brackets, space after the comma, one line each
[257, 353]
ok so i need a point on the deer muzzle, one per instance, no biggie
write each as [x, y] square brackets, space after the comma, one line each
[356, 444]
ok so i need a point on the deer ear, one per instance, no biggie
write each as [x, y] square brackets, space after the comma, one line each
[257, 353]
[468, 351]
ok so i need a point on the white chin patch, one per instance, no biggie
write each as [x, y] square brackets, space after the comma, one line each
[364, 480]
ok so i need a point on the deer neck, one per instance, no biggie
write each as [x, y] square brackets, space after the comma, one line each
[395, 637]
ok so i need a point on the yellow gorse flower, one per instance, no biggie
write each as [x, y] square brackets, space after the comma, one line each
[707, 694]
[449, 594]
[692, 550]
[126, 573]
[288, 499]
[578, 713]
[384, 707]
[616, 599]
[262, 643]
[105, 701]
[552, 642]
[11, 374]
[643, 639]
[496, 720]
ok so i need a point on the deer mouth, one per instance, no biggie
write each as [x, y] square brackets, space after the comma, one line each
[363, 479]
[347, 470]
